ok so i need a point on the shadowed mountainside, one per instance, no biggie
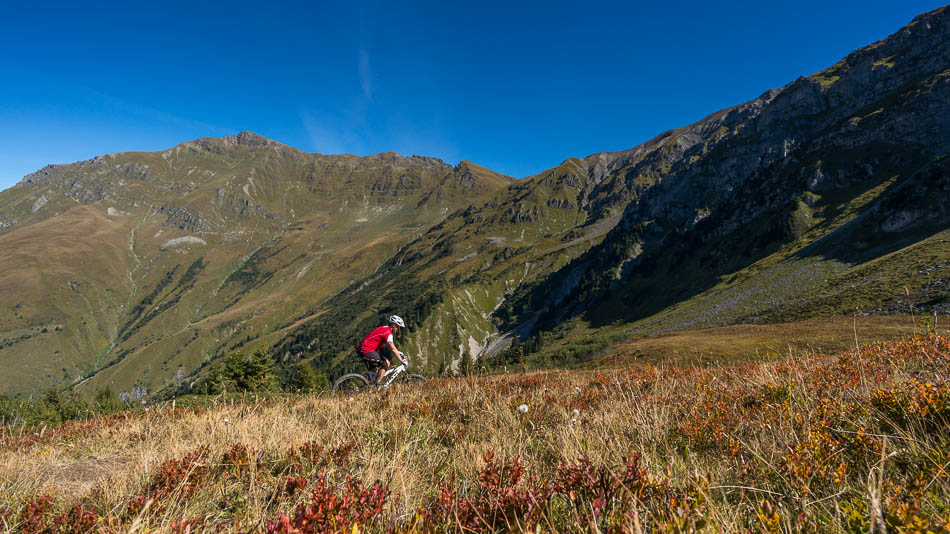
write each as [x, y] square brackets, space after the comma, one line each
[825, 197]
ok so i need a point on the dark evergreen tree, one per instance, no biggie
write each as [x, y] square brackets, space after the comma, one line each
[311, 380]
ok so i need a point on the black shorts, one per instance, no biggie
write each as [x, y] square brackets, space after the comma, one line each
[373, 360]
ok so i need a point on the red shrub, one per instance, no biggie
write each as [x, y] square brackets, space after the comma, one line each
[294, 483]
[237, 460]
[78, 520]
[332, 511]
[597, 494]
[35, 515]
[505, 499]
[183, 477]
[35, 518]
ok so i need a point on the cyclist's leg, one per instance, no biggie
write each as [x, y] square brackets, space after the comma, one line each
[384, 368]
[371, 361]
[375, 361]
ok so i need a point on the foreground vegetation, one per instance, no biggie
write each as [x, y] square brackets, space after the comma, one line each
[813, 443]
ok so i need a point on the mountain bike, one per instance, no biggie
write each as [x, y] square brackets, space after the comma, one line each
[356, 382]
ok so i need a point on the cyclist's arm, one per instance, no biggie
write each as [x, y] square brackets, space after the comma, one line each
[395, 351]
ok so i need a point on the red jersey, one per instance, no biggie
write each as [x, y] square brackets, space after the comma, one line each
[376, 339]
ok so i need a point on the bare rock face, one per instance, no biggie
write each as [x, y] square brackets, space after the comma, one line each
[250, 139]
[40, 202]
[882, 111]
[901, 220]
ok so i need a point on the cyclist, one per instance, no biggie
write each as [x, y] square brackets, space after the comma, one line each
[371, 346]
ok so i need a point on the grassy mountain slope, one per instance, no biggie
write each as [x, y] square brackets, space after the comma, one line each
[453, 279]
[823, 197]
[142, 266]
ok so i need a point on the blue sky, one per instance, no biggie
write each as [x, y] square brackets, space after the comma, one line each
[514, 86]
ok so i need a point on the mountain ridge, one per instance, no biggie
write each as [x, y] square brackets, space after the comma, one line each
[206, 217]
[642, 181]
[818, 92]
[812, 199]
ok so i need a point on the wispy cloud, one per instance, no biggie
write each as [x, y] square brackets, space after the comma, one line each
[366, 75]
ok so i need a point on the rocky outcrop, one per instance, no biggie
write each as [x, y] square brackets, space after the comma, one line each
[187, 240]
[724, 191]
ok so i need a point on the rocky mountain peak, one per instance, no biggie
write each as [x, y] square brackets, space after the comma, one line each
[939, 16]
[246, 138]
[472, 171]
[466, 166]
[243, 139]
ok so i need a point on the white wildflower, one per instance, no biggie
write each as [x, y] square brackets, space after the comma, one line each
[226, 420]
[523, 408]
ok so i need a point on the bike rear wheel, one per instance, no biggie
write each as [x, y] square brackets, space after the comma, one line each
[351, 383]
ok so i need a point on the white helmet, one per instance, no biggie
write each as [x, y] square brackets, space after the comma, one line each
[396, 320]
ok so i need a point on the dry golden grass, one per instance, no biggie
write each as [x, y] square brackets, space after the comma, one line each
[758, 342]
[783, 446]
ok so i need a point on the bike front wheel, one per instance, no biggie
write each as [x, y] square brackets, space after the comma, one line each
[415, 379]
[349, 384]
